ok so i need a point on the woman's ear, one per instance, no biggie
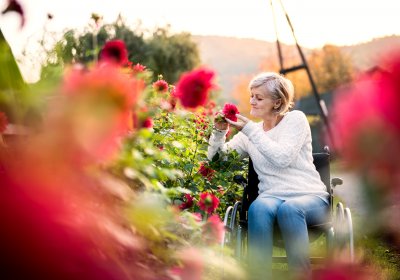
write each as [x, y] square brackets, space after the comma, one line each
[277, 104]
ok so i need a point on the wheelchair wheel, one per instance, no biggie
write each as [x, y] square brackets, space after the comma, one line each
[235, 234]
[231, 224]
[349, 232]
[228, 231]
[343, 230]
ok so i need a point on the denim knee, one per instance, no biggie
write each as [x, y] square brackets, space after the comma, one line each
[287, 211]
[258, 210]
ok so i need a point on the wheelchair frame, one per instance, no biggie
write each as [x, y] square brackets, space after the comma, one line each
[338, 229]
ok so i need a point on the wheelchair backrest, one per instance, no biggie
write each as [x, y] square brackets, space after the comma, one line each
[321, 162]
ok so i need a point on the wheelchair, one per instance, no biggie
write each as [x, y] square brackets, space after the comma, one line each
[338, 229]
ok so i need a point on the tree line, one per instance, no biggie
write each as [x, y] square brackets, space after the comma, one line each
[161, 52]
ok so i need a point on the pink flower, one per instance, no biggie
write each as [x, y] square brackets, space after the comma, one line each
[188, 202]
[115, 52]
[206, 171]
[98, 108]
[197, 216]
[3, 122]
[208, 202]
[214, 229]
[74, 231]
[366, 123]
[160, 86]
[138, 68]
[230, 111]
[192, 265]
[193, 88]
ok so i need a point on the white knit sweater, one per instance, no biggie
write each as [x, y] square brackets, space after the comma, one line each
[282, 156]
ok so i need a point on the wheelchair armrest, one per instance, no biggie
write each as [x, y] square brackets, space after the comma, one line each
[239, 179]
[336, 182]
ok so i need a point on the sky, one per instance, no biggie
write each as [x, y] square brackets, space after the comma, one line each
[316, 22]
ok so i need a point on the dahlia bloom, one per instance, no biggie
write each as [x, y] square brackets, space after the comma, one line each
[187, 202]
[75, 228]
[138, 68]
[208, 202]
[366, 121]
[97, 108]
[206, 171]
[230, 111]
[193, 88]
[160, 86]
[115, 52]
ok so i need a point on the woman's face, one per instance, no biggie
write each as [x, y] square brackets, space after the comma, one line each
[261, 103]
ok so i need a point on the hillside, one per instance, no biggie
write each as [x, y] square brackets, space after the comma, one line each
[232, 58]
[366, 55]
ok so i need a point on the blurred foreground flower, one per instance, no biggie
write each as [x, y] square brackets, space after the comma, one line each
[366, 120]
[97, 109]
[214, 230]
[193, 88]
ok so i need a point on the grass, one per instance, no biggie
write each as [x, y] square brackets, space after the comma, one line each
[380, 255]
[372, 250]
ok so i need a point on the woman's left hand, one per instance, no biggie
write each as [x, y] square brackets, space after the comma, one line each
[241, 122]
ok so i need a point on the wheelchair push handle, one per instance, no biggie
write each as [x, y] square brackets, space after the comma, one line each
[239, 179]
[336, 182]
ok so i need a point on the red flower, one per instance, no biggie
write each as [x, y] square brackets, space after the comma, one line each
[15, 6]
[3, 122]
[160, 86]
[193, 87]
[148, 123]
[188, 202]
[74, 231]
[366, 121]
[98, 105]
[208, 202]
[206, 171]
[230, 111]
[115, 52]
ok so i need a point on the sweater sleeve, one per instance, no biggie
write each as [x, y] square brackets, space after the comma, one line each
[282, 151]
[217, 142]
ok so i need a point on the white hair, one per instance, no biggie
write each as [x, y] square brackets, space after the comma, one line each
[278, 87]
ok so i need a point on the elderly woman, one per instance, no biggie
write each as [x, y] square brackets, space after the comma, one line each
[290, 189]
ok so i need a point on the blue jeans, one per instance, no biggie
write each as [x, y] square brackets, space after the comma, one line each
[292, 216]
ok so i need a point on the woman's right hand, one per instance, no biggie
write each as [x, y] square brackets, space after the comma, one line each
[220, 123]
